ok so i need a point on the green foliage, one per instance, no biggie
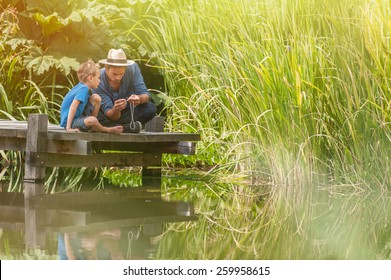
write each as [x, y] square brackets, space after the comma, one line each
[61, 30]
[44, 42]
[122, 177]
[11, 175]
[276, 85]
[13, 87]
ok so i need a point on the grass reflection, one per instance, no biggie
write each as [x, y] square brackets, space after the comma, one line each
[282, 223]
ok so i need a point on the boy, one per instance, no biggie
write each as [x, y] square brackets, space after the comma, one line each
[79, 109]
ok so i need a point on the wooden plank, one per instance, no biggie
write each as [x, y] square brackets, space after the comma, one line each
[74, 147]
[61, 218]
[121, 223]
[100, 197]
[11, 213]
[83, 147]
[54, 218]
[50, 145]
[112, 206]
[23, 125]
[93, 160]
[12, 144]
[182, 147]
[141, 137]
[12, 226]
[136, 208]
[13, 132]
[91, 210]
[11, 198]
[19, 129]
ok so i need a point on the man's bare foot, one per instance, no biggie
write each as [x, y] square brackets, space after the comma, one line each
[115, 129]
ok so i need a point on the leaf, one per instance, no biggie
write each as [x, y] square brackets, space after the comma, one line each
[49, 24]
[67, 64]
[5, 102]
[39, 64]
[62, 7]
[54, 23]
[8, 115]
[74, 17]
[16, 42]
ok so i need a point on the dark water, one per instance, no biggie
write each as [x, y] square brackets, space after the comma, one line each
[96, 224]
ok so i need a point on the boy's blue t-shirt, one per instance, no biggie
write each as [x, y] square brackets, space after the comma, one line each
[79, 92]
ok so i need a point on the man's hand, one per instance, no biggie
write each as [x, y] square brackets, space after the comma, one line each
[134, 99]
[115, 112]
[119, 104]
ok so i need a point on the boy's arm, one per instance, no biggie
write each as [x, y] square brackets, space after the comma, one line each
[71, 115]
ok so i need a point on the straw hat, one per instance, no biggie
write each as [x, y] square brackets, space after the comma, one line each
[116, 58]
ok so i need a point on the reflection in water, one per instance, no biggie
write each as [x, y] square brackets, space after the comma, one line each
[120, 224]
[111, 244]
[233, 222]
[287, 222]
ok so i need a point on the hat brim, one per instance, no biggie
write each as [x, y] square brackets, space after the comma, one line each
[104, 61]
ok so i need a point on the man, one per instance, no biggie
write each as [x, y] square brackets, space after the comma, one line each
[125, 98]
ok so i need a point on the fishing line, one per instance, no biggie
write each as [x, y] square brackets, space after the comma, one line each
[130, 240]
[132, 122]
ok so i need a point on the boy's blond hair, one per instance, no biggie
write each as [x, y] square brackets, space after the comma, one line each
[86, 69]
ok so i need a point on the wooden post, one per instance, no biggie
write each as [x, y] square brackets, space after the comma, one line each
[35, 142]
[152, 229]
[152, 175]
[34, 178]
[155, 125]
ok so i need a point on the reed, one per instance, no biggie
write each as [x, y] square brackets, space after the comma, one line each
[265, 81]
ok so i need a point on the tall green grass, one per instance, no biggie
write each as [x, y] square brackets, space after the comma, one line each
[281, 88]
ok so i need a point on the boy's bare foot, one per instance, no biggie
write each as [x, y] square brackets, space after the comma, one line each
[115, 129]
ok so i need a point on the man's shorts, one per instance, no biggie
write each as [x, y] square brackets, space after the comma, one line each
[79, 121]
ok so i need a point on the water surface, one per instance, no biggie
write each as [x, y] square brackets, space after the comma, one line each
[190, 218]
